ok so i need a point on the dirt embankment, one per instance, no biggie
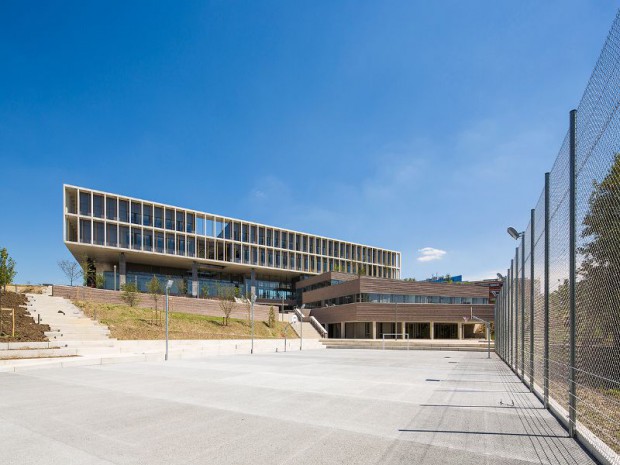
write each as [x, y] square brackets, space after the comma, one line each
[26, 329]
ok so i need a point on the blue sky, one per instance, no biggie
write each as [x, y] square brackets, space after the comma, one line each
[407, 125]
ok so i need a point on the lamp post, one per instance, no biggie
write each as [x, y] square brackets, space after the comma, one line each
[114, 277]
[168, 286]
[301, 324]
[252, 300]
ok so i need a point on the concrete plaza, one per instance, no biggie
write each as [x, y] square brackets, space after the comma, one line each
[310, 407]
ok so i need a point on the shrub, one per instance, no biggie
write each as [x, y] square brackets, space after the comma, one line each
[129, 294]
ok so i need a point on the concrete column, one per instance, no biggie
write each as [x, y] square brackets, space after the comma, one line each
[432, 330]
[194, 279]
[122, 269]
[404, 329]
[460, 331]
[342, 330]
[374, 330]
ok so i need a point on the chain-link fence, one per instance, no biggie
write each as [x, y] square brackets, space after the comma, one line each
[558, 313]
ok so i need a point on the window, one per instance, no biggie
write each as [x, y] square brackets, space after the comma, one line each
[190, 223]
[111, 208]
[227, 229]
[85, 203]
[123, 211]
[98, 233]
[180, 221]
[136, 238]
[200, 225]
[244, 233]
[169, 242]
[180, 245]
[98, 206]
[159, 217]
[124, 236]
[169, 219]
[210, 225]
[159, 242]
[85, 231]
[136, 213]
[191, 247]
[147, 215]
[276, 238]
[148, 241]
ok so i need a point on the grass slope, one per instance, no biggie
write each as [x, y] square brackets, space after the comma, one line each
[130, 323]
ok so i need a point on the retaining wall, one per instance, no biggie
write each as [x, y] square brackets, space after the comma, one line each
[208, 307]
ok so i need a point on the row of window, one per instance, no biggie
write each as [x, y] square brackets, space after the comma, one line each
[402, 299]
[178, 244]
[138, 213]
[206, 287]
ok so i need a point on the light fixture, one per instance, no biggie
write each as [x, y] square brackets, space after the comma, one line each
[500, 277]
[514, 233]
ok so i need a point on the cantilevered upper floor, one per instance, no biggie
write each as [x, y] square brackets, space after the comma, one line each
[100, 225]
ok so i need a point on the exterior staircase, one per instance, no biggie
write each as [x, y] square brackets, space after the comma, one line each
[67, 322]
[309, 331]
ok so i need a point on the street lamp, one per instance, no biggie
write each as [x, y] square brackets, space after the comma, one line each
[500, 277]
[514, 233]
[168, 286]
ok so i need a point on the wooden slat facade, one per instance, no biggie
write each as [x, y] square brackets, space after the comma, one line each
[411, 313]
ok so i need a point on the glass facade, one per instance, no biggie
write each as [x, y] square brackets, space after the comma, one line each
[115, 221]
[401, 299]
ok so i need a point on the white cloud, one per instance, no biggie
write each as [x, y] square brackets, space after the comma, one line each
[429, 254]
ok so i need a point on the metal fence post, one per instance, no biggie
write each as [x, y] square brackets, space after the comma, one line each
[511, 315]
[507, 330]
[532, 245]
[516, 302]
[546, 297]
[522, 301]
[572, 400]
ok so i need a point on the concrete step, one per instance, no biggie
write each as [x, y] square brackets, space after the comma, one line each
[36, 353]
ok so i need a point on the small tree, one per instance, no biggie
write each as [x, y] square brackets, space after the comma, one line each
[71, 270]
[182, 287]
[155, 289]
[7, 269]
[272, 317]
[99, 280]
[226, 295]
[129, 294]
[205, 291]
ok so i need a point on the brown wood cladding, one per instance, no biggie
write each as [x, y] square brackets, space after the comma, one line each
[330, 292]
[394, 286]
[367, 311]
[368, 285]
[325, 277]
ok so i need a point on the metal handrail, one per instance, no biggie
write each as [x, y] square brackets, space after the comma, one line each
[318, 326]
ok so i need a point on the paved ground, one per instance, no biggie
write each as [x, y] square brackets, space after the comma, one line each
[311, 407]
